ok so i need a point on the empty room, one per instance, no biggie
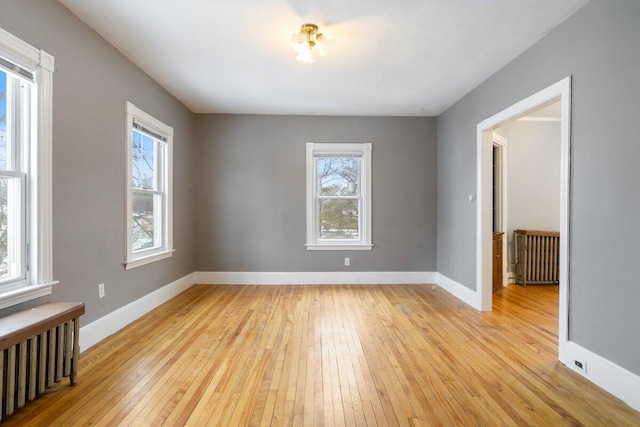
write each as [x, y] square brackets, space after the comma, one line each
[287, 212]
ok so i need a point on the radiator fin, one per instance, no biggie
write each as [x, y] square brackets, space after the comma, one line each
[28, 368]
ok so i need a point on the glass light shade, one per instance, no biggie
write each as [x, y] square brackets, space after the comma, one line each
[301, 47]
[309, 39]
[323, 44]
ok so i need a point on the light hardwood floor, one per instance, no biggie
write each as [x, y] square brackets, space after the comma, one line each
[332, 355]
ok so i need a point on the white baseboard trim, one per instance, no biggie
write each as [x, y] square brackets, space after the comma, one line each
[615, 379]
[98, 330]
[605, 374]
[459, 291]
[314, 278]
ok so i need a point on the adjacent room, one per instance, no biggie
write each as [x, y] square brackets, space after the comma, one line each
[319, 213]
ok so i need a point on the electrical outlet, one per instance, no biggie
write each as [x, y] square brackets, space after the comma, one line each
[582, 366]
[347, 262]
[101, 290]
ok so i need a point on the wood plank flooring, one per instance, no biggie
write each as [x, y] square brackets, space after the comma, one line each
[403, 355]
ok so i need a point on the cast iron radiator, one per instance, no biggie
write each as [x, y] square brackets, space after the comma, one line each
[537, 257]
[38, 347]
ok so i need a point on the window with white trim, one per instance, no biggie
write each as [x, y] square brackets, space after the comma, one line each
[26, 80]
[149, 183]
[338, 196]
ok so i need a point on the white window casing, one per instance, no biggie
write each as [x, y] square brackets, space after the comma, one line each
[161, 191]
[361, 197]
[30, 224]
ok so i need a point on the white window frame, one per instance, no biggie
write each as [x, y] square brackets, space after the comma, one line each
[165, 226]
[37, 229]
[362, 150]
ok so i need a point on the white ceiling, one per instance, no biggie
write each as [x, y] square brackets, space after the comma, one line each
[391, 58]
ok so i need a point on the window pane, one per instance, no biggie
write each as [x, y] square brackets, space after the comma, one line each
[339, 219]
[143, 221]
[10, 228]
[3, 120]
[144, 162]
[338, 176]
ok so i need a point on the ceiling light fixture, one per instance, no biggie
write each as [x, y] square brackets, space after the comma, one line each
[309, 38]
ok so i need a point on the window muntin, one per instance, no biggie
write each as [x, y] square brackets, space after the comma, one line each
[149, 184]
[338, 196]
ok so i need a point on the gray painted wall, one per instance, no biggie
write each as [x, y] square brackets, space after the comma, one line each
[255, 164]
[250, 181]
[91, 84]
[598, 46]
[533, 178]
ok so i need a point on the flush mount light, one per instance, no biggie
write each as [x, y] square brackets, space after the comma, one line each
[307, 39]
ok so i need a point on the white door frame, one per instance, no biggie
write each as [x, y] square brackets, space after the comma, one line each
[502, 143]
[562, 91]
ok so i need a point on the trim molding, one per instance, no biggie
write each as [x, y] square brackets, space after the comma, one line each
[165, 181]
[503, 143]
[100, 329]
[25, 293]
[459, 291]
[557, 91]
[314, 278]
[361, 150]
[539, 119]
[562, 91]
[605, 374]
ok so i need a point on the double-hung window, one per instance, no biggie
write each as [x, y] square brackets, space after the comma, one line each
[14, 135]
[338, 196]
[149, 183]
[26, 76]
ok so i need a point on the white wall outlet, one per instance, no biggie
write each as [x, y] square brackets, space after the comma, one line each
[581, 366]
[101, 290]
[347, 262]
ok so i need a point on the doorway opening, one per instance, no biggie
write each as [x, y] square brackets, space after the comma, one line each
[559, 92]
[499, 212]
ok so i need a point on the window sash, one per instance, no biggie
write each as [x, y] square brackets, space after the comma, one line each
[317, 157]
[318, 222]
[158, 197]
[157, 193]
[319, 198]
[157, 215]
[13, 263]
[159, 153]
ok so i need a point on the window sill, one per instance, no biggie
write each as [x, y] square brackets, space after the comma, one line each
[340, 247]
[25, 293]
[137, 262]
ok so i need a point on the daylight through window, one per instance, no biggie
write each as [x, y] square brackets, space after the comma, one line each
[26, 80]
[338, 196]
[149, 200]
[14, 105]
